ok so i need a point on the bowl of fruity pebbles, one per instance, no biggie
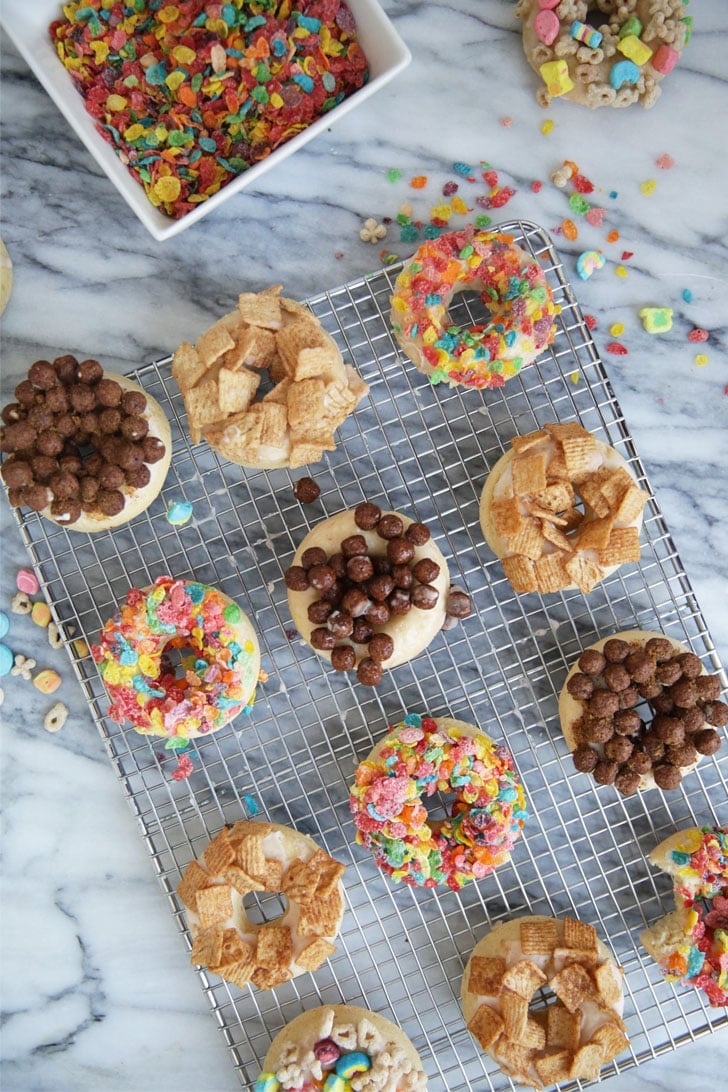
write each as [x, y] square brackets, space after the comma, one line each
[185, 104]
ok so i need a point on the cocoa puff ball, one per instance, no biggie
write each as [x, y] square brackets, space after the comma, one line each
[716, 713]
[319, 611]
[108, 393]
[369, 672]
[341, 623]
[639, 761]
[129, 456]
[18, 437]
[66, 368]
[708, 687]
[380, 647]
[82, 398]
[359, 568]
[693, 719]
[603, 703]
[668, 672]
[459, 604]
[627, 722]
[42, 374]
[153, 449]
[627, 781]
[26, 393]
[618, 749]
[56, 400]
[426, 570]
[659, 649]
[356, 602]
[629, 698]
[379, 587]
[66, 511]
[390, 526]
[40, 417]
[597, 729]
[591, 662]
[314, 555]
[418, 535]
[682, 754]
[338, 564]
[367, 516]
[616, 677]
[668, 729]
[44, 467]
[362, 632]
[36, 497]
[400, 551]
[64, 485]
[306, 490]
[343, 658]
[354, 546]
[399, 602]
[690, 664]
[684, 693]
[111, 477]
[322, 639]
[706, 741]
[133, 402]
[16, 473]
[88, 491]
[585, 758]
[90, 372]
[11, 413]
[580, 686]
[138, 477]
[666, 775]
[605, 772]
[402, 576]
[110, 502]
[65, 425]
[134, 428]
[321, 577]
[378, 614]
[425, 596]
[640, 666]
[109, 421]
[616, 650]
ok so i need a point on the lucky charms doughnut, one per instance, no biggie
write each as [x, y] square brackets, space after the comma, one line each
[639, 709]
[417, 758]
[543, 1040]
[341, 1048]
[512, 286]
[368, 590]
[561, 510]
[691, 942]
[603, 52]
[218, 652]
[257, 856]
[86, 448]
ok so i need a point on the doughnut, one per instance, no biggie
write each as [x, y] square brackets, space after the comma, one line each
[270, 344]
[267, 857]
[691, 942]
[639, 710]
[512, 286]
[603, 52]
[561, 510]
[576, 1025]
[369, 590]
[341, 1048]
[86, 448]
[219, 659]
[421, 756]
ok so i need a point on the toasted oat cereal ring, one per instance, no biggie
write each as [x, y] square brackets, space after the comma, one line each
[56, 717]
[377, 608]
[638, 709]
[310, 391]
[418, 757]
[334, 1043]
[255, 856]
[219, 659]
[690, 943]
[611, 54]
[569, 1035]
[562, 510]
[514, 289]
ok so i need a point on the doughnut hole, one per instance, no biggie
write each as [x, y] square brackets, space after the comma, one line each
[264, 907]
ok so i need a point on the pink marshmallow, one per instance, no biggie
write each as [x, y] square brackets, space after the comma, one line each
[664, 59]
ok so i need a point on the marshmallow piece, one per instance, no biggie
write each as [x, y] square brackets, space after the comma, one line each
[555, 75]
[631, 26]
[664, 59]
[547, 27]
[26, 581]
[656, 320]
[47, 681]
[40, 614]
[588, 263]
[582, 32]
[623, 72]
[634, 49]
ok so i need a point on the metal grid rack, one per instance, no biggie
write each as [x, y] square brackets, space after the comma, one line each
[425, 451]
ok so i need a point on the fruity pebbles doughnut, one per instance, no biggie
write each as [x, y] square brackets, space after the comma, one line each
[512, 286]
[258, 856]
[218, 651]
[561, 510]
[691, 942]
[418, 757]
[639, 709]
[603, 52]
[568, 1037]
[341, 1048]
[86, 448]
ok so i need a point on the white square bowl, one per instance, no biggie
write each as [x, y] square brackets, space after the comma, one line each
[26, 23]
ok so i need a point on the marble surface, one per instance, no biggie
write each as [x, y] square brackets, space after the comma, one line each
[96, 992]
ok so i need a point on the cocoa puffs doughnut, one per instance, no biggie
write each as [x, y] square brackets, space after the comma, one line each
[369, 590]
[639, 710]
[86, 448]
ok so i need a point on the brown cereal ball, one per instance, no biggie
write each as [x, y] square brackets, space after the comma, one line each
[26, 393]
[321, 577]
[378, 614]
[110, 502]
[690, 664]
[65, 425]
[683, 754]
[418, 534]
[314, 555]
[356, 602]
[708, 687]
[459, 604]
[306, 490]
[133, 402]
[108, 393]
[82, 398]
[44, 467]
[341, 623]
[390, 526]
[153, 449]
[380, 647]
[90, 372]
[716, 713]
[400, 551]
[56, 400]
[618, 749]
[605, 772]
[598, 729]
[66, 511]
[627, 722]
[684, 693]
[668, 729]
[111, 477]
[426, 570]
[640, 762]
[379, 587]
[591, 662]
[139, 477]
[354, 546]
[616, 650]
[660, 649]
[668, 672]
[134, 428]
[585, 758]
[399, 602]
[19, 437]
[359, 568]
[640, 666]
[16, 473]
[627, 781]
[603, 703]
[317, 612]
[616, 677]
[36, 497]
[109, 421]
[693, 719]
[322, 639]
[66, 368]
[295, 578]
[425, 597]
[40, 417]
[580, 686]
[666, 775]
[64, 485]
[402, 576]
[343, 658]
[653, 745]
[367, 516]
[88, 490]
[363, 631]
[369, 672]
[706, 741]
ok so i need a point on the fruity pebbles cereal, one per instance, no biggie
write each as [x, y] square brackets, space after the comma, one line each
[192, 94]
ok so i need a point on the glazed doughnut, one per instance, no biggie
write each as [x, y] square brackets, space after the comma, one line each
[341, 1048]
[219, 653]
[530, 517]
[514, 289]
[691, 942]
[418, 757]
[370, 590]
[570, 1037]
[603, 53]
[599, 708]
[88, 449]
[278, 344]
[259, 856]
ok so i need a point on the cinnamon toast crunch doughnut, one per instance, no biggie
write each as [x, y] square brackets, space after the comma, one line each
[561, 510]
[569, 1037]
[691, 942]
[266, 386]
[220, 659]
[514, 289]
[87, 448]
[604, 52]
[616, 679]
[369, 590]
[268, 857]
[341, 1048]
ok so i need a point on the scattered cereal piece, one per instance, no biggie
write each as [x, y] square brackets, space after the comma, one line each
[547, 126]
[701, 360]
[26, 581]
[482, 222]
[47, 681]
[394, 175]
[21, 604]
[687, 295]
[579, 204]
[23, 666]
[574, 377]
[616, 329]
[621, 271]
[306, 490]
[665, 162]
[179, 513]
[698, 334]
[251, 804]
[627, 254]
[371, 231]
[656, 320]
[55, 637]
[56, 717]
[569, 229]
[595, 217]
[536, 186]
[648, 187]
[590, 321]
[418, 182]
[41, 614]
[613, 236]
[614, 194]
[506, 122]
[588, 262]
[6, 660]
[80, 648]
[616, 348]
[4, 623]
[184, 768]
[562, 175]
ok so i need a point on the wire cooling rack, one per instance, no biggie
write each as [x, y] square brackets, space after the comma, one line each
[424, 451]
